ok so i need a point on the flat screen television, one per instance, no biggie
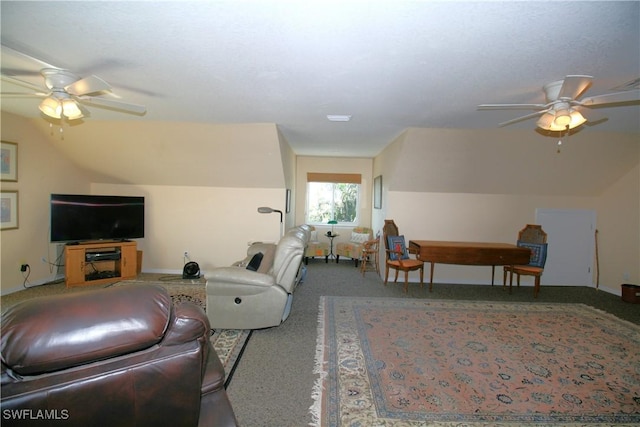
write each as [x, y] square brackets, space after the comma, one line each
[80, 217]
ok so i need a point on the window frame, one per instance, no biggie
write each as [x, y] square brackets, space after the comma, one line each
[353, 223]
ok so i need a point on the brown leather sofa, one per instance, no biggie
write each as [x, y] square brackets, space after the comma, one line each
[122, 356]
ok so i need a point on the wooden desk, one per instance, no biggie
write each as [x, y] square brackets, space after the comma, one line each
[469, 253]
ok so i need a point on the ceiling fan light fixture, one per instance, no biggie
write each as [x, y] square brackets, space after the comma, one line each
[577, 119]
[563, 118]
[545, 121]
[52, 107]
[548, 121]
[71, 110]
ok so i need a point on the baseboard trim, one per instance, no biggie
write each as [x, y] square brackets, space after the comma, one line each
[58, 277]
[163, 271]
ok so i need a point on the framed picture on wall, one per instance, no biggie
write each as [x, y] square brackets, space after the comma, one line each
[9, 165]
[8, 210]
[287, 204]
[377, 192]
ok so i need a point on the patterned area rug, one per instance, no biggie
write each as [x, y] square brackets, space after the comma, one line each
[228, 343]
[402, 362]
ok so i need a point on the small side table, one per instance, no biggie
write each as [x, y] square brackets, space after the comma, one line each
[331, 237]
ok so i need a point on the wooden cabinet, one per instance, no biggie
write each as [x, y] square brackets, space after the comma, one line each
[101, 262]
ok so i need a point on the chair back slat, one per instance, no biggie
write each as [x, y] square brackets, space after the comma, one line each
[389, 229]
[532, 233]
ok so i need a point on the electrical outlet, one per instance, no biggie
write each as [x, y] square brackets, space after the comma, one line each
[24, 267]
[186, 254]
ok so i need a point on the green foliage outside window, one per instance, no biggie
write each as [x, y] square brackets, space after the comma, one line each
[327, 201]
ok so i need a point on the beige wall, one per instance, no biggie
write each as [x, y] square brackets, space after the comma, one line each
[593, 171]
[168, 153]
[335, 165]
[289, 168]
[213, 224]
[42, 170]
[619, 232]
[202, 184]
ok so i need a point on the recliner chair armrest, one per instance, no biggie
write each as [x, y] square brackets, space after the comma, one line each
[239, 276]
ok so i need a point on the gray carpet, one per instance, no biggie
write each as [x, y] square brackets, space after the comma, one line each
[273, 382]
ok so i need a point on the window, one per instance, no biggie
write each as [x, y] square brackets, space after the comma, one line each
[333, 196]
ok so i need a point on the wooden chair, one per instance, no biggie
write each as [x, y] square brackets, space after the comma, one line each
[532, 236]
[397, 256]
[370, 255]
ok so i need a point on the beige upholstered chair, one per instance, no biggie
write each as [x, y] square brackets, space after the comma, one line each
[353, 248]
[397, 256]
[315, 248]
[533, 237]
[256, 297]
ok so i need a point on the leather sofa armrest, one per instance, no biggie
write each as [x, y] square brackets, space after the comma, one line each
[239, 276]
[215, 407]
[189, 323]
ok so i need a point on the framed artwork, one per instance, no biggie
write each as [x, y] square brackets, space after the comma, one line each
[288, 201]
[377, 192]
[8, 210]
[9, 164]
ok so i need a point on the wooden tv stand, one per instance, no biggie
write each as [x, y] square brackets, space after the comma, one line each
[94, 263]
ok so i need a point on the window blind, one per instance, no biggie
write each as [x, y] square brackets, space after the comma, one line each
[347, 178]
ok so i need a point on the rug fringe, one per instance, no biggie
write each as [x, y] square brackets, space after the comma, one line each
[319, 368]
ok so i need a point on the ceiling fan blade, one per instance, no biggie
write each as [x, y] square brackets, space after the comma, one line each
[91, 84]
[511, 106]
[592, 116]
[612, 98]
[18, 82]
[519, 119]
[574, 86]
[23, 95]
[21, 63]
[116, 105]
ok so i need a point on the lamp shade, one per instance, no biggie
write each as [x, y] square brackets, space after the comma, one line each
[268, 210]
[563, 115]
[549, 121]
[71, 110]
[563, 118]
[51, 107]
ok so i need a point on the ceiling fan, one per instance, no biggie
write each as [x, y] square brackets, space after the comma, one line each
[66, 94]
[564, 109]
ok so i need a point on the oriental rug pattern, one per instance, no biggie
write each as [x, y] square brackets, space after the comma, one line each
[409, 362]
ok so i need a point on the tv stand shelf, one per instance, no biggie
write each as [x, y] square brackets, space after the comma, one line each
[94, 263]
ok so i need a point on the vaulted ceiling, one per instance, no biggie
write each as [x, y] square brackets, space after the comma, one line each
[390, 65]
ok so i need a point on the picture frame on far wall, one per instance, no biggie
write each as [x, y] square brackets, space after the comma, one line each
[377, 192]
[288, 202]
[9, 162]
[8, 210]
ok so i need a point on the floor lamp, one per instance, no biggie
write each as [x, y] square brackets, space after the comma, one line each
[267, 210]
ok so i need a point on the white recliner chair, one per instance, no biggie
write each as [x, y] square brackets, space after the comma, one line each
[241, 298]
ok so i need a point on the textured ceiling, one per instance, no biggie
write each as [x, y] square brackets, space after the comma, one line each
[389, 64]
